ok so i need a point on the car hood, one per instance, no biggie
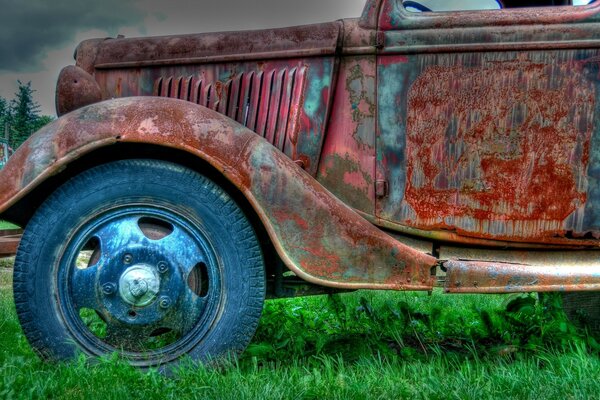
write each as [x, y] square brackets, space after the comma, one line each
[118, 52]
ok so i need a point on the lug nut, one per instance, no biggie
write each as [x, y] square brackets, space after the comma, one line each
[164, 302]
[128, 259]
[109, 288]
[162, 267]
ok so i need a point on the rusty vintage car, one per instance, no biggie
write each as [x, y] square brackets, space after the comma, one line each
[191, 176]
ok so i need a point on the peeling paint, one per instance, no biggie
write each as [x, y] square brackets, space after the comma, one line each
[489, 143]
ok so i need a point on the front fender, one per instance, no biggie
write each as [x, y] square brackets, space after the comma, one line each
[317, 236]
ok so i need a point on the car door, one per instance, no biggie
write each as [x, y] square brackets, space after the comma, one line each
[488, 122]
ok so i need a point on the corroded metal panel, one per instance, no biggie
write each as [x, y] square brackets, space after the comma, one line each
[75, 88]
[394, 16]
[285, 101]
[317, 236]
[264, 101]
[497, 277]
[347, 166]
[216, 47]
[482, 143]
[284, 76]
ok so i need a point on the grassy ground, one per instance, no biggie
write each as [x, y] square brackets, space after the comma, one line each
[363, 345]
[7, 225]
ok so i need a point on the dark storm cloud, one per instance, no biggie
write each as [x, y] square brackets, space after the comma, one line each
[31, 28]
[215, 15]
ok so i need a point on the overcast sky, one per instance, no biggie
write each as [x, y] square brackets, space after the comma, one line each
[39, 36]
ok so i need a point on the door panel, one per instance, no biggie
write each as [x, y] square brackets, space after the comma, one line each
[499, 144]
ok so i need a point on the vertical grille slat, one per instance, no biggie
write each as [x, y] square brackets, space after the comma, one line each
[295, 111]
[255, 101]
[234, 97]
[263, 105]
[175, 88]
[284, 108]
[186, 90]
[157, 91]
[203, 94]
[196, 86]
[274, 106]
[212, 98]
[244, 98]
[223, 97]
[166, 89]
[267, 102]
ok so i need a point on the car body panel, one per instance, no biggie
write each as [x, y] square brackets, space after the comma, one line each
[343, 250]
[367, 145]
[479, 139]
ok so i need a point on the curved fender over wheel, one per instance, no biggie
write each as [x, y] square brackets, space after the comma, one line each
[317, 236]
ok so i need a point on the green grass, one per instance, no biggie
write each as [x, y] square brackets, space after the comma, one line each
[363, 345]
[7, 225]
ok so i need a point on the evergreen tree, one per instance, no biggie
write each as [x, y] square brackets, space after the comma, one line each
[24, 112]
[4, 115]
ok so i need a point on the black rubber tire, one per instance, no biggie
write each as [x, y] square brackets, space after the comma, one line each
[120, 183]
[583, 309]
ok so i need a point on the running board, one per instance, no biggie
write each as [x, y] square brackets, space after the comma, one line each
[502, 277]
[9, 241]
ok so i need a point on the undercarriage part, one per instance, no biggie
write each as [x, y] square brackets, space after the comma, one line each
[283, 283]
[9, 241]
[582, 309]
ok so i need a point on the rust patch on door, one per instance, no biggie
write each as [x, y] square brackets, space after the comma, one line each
[499, 150]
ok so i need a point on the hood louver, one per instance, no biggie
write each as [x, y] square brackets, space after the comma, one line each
[267, 102]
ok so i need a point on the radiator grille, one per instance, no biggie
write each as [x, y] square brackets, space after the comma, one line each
[267, 102]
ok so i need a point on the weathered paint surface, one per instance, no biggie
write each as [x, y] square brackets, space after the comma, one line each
[284, 101]
[496, 277]
[316, 235]
[478, 128]
[286, 74]
[481, 143]
[347, 165]
[393, 16]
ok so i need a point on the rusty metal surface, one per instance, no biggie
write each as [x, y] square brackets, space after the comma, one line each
[347, 159]
[393, 16]
[370, 14]
[75, 88]
[318, 237]
[268, 101]
[265, 44]
[9, 242]
[357, 39]
[286, 101]
[478, 128]
[565, 259]
[481, 144]
[497, 277]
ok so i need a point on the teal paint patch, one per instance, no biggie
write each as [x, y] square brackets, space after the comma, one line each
[315, 108]
[591, 220]
[314, 93]
[392, 127]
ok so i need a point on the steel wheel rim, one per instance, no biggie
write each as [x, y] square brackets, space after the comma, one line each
[147, 254]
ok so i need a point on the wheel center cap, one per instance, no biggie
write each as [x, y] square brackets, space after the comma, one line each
[139, 285]
[138, 288]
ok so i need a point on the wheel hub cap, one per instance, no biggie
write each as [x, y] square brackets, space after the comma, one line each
[139, 285]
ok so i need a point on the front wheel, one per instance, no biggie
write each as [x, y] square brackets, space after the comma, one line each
[142, 257]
